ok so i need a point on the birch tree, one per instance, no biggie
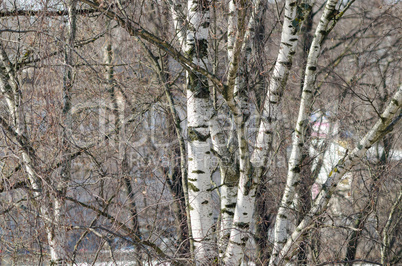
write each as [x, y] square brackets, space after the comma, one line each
[198, 116]
[243, 109]
[300, 132]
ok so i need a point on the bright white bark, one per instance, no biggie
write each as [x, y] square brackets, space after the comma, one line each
[228, 183]
[239, 221]
[384, 125]
[199, 113]
[248, 182]
[293, 176]
[56, 233]
[232, 19]
[229, 180]
[242, 218]
[289, 38]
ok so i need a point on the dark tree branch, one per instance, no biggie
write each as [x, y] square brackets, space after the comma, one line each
[16, 13]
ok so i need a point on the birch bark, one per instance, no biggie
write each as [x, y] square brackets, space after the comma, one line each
[295, 14]
[249, 178]
[229, 175]
[234, 97]
[199, 112]
[282, 218]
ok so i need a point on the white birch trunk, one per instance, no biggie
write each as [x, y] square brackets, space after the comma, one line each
[289, 38]
[383, 126]
[239, 221]
[293, 18]
[239, 230]
[282, 218]
[56, 233]
[228, 167]
[228, 182]
[199, 112]
[248, 181]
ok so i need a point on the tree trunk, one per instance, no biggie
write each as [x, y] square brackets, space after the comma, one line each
[57, 231]
[295, 160]
[199, 113]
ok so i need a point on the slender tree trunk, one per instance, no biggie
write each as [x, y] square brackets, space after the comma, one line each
[248, 180]
[176, 172]
[229, 182]
[120, 139]
[263, 223]
[179, 208]
[178, 183]
[57, 231]
[295, 160]
[304, 203]
[199, 113]
[182, 185]
[229, 173]
[135, 224]
[355, 236]
[243, 213]
[293, 18]
[304, 195]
